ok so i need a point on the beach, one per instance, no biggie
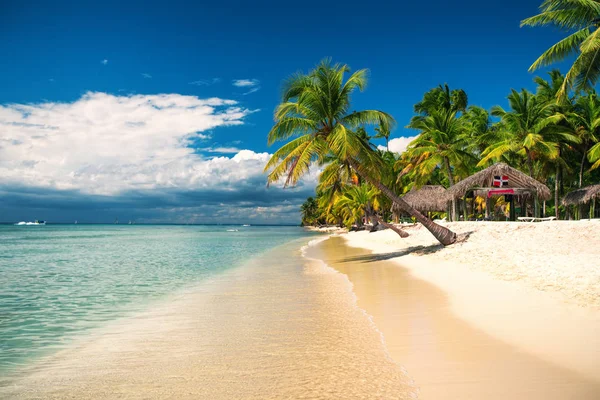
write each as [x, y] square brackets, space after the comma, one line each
[279, 325]
[510, 311]
[341, 315]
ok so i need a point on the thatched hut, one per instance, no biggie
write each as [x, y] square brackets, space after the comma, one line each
[582, 198]
[428, 198]
[501, 180]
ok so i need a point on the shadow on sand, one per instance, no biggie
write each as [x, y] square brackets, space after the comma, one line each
[416, 250]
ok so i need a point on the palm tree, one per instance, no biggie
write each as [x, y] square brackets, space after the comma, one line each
[478, 129]
[442, 97]
[383, 133]
[585, 119]
[309, 210]
[594, 156]
[440, 142]
[522, 130]
[358, 202]
[315, 112]
[583, 17]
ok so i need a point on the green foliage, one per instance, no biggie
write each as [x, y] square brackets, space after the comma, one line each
[582, 16]
[315, 110]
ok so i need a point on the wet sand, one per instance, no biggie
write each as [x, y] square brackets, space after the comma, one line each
[447, 357]
[280, 327]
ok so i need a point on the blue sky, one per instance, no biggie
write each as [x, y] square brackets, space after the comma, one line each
[84, 135]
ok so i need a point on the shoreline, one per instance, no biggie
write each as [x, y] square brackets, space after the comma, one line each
[547, 324]
[279, 324]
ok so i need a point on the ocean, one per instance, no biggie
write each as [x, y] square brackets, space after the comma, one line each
[215, 312]
[57, 281]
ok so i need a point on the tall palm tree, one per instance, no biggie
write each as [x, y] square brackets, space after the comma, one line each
[585, 119]
[582, 17]
[440, 142]
[315, 112]
[594, 156]
[440, 98]
[383, 133]
[479, 129]
[522, 131]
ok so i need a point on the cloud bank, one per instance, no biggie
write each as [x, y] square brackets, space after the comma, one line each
[136, 153]
[399, 145]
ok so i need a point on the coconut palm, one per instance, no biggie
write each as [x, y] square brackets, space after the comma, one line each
[309, 211]
[478, 129]
[585, 119]
[383, 133]
[522, 130]
[358, 202]
[315, 114]
[583, 17]
[439, 143]
[594, 156]
[440, 98]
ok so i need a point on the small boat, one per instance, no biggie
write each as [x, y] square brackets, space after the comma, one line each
[246, 225]
[35, 223]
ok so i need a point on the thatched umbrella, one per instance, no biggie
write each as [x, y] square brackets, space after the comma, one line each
[429, 198]
[519, 184]
[583, 196]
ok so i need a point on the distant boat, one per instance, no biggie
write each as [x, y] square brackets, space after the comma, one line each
[130, 222]
[116, 221]
[35, 223]
[246, 225]
[75, 222]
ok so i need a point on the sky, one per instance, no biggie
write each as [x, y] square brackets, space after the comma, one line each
[158, 112]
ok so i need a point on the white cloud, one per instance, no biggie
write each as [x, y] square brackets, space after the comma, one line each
[245, 82]
[104, 62]
[106, 144]
[147, 76]
[398, 145]
[205, 82]
[221, 149]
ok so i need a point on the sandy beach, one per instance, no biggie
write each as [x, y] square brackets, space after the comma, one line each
[511, 311]
[281, 327]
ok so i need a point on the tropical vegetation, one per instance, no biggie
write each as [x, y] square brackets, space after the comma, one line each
[552, 134]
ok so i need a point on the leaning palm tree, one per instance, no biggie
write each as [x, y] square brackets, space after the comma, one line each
[582, 17]
[315, 112]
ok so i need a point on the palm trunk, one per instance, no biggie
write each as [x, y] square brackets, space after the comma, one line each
[451, 183]
[403, 234]
[582, 166]
[556, 191]
[529, 162]
[449, 171]
[444, 235]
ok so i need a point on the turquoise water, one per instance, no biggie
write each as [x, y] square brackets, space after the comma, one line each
[57, 281]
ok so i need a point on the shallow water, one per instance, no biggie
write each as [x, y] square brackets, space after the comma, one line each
[58, 281]
[278, 326]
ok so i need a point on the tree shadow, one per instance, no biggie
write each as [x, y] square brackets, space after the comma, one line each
[416, 250]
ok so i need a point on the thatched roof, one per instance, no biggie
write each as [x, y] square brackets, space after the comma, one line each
[582, 196]
[485, 179]
[427, 198]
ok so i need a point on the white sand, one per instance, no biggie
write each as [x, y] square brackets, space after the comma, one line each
[533, 285]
